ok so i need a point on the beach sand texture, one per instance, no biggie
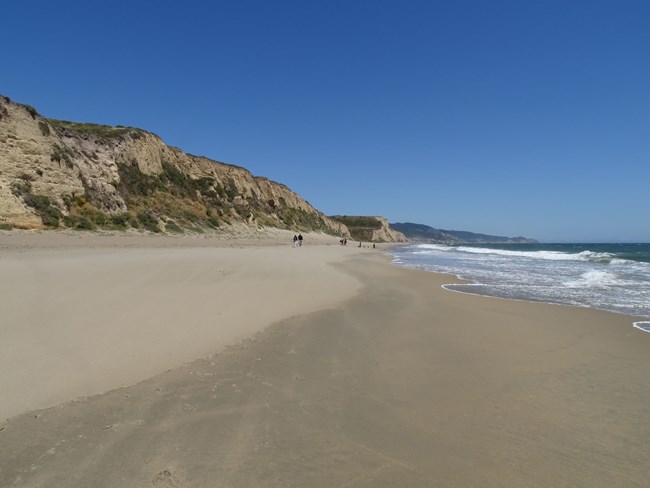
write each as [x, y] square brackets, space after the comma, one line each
[384, 379]
[86, 319]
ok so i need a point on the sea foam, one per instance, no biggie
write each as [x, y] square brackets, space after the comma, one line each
[596, 279]
[609, 277]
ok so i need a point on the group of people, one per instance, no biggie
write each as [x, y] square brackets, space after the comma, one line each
[344, 242]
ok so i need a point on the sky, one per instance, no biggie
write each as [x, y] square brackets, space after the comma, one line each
[503, 117]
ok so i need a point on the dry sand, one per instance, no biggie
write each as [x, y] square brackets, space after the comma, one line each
[84, 316]
[403, 384]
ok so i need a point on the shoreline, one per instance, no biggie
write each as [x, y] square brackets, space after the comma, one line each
[399, 383]
[635, 320]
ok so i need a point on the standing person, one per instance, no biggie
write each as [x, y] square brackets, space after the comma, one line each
[299, 240]
[295, 240]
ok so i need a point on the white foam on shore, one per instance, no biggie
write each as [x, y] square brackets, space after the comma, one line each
[590, 281]
[643, 326]
[448, 287]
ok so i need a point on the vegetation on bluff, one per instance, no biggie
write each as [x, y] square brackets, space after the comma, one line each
[62, 154]
[361, 227]
[90, 186]
[360, 222]
[104, 132]
[197, 203]
[171, 201]
[50, 215]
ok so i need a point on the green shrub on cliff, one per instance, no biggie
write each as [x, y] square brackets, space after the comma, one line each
[42, 205]
[134, 182]
[171, 226]
[149, 222]
[45, 129]
[362, 222]
[50, 215]
[30, 110]
[105, 132]
[361, 227]
[84, 223]
[62, 154]
[300, 219]
[120, 220]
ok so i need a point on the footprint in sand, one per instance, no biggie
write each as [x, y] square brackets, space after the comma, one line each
[166, 479]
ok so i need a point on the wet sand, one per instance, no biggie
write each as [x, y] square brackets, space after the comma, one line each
[401, 384]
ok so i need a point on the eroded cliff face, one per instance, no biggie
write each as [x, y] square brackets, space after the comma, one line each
[371, 229]
[385, 233]
[63, 174]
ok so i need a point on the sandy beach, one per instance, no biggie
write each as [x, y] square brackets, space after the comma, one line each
[216, 363]
[84, 316]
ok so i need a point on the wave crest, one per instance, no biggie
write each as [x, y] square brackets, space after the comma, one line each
[591, 256]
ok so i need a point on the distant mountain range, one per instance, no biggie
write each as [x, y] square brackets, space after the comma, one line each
[425, 233]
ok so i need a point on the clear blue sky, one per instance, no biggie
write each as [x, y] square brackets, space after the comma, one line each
[503, 117]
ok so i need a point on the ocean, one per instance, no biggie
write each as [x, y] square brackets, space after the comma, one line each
[612, 277]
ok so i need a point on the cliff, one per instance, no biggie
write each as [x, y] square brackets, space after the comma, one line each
[370, 229]
[64, 174]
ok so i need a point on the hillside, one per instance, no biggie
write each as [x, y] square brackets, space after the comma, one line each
[425, 233]
[59, 174]
[370, 229]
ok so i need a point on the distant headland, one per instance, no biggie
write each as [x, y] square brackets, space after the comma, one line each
[425, 233]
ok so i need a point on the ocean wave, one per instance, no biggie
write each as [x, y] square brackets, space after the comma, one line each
[433, 246]
[549, 255]
[587, 255]
[625, 261]
[430, 248]
[596, 279]
[596, 257]
[582, 276]
[644, 326]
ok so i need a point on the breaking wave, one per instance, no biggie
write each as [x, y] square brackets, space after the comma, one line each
[612, 277]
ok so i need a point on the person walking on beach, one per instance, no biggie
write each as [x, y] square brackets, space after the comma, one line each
[299, 240]
[295, 240]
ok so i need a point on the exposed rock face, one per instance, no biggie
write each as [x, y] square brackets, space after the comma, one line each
[370, 229]
[55, 173]
[386, 234]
